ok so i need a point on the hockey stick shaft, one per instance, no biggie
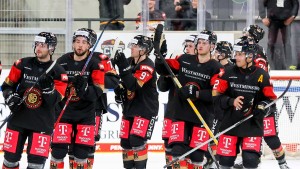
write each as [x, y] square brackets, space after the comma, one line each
[156, 45]
[229, 128]
[25, 96]
[206, 142]
[93, 50]
[72, 91]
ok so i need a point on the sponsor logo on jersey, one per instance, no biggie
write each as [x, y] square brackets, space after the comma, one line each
[244, 87]
[197, 74]
[146, 67]
[64, 77]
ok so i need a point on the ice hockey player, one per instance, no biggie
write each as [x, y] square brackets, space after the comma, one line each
[242, 90]
[76, 128]
[164, 84]
[31, 96]
[223, 53]
[196, 73]
[271, 130]
[140, 103]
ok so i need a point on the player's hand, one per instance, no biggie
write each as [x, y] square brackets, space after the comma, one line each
[121, 61]
[13, 101]
[80, 84]
[266, 22]
[47, 84]
[189, 91]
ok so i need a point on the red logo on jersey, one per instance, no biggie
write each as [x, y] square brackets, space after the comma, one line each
[146, 67]
[103, 56]
[64, 77]
[221, 73]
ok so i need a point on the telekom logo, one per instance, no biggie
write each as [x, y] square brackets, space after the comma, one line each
[267, 123]
[122, 125]
[227, 142]
[201, 135]
[252, 139]
[140, 123]
[63, 129]
[8, 136]
[42, 141]
[86, 131]
[174, 128]
[165, 124]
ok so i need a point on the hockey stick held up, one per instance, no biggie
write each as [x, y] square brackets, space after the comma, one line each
[156, 44]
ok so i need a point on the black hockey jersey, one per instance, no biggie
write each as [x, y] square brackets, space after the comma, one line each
[253, 83]
[141, 101]
[203, 75]
[37, 111]
[79, 108]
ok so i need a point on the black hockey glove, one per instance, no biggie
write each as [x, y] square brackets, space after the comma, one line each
[47, 84]
[259, 111]
[80, 84]
[120, 94]
[121, 62]
[111, 80]
[247, 105]
[163, 50]
[164, 83]
[189, 91]
[14, 102]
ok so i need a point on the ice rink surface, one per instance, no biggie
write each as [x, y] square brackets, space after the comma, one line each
[155, 161]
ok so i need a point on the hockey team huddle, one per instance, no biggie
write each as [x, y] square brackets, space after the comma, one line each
[57, 105]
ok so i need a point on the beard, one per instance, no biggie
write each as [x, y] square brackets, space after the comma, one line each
[81, 53]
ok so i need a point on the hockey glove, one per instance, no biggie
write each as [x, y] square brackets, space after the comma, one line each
[247, 105]
[259, 112]
[121, 62]
[47, 84]
[120, 94]
[80, 84]
[13, 101]
[111, 80]
[189, 91]
[163, 50]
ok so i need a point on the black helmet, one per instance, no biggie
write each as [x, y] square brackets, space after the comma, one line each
[207, 35]
[244, 46]
[224, 47]
[143, 42]
[48, 38]
[89, 34]
[255, 31]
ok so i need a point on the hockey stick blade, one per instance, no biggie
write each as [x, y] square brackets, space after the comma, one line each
[206, 142]
[157, 37]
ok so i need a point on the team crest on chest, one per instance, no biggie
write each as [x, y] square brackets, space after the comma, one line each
[33, 99]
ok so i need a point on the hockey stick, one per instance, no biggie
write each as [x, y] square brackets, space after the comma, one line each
[229, 128]
[282, 94]
[156, 44]
[206, 142]
[72, 91]
[25, 96]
